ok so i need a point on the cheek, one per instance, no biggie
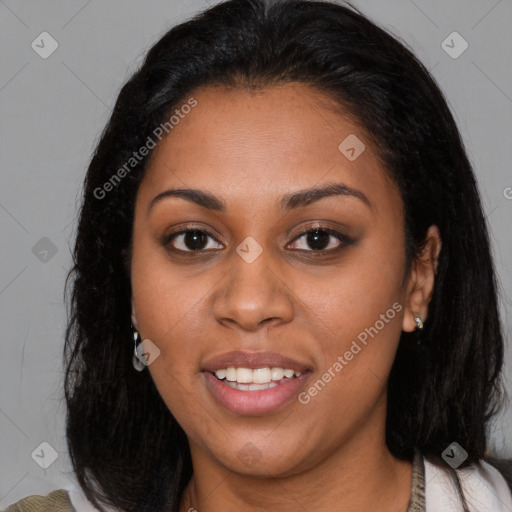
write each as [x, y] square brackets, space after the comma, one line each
[170, 304]
[167, 296]
[356, 315]
[162, 303]
[357, 354]
[354, 296]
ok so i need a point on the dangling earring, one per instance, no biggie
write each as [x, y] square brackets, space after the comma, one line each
[419, 328]
[137, 363]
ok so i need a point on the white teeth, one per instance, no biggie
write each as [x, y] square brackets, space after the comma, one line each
[230, 374]
[251, 387]
[261, 375]
[221, 374]
[258, 376]
[244, 375]
[277, 373]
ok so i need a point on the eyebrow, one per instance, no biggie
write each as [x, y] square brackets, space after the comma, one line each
[288, 202]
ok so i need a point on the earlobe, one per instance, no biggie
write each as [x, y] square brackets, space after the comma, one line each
[420, 286]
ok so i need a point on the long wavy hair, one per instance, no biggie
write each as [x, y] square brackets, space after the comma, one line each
[126, 448]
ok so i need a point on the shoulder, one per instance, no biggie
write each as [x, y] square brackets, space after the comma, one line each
[71, 499]
[55, 501]
[484, 486]
[504, 466]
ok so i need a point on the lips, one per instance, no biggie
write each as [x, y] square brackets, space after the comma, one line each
[249, 399]
[253, 360]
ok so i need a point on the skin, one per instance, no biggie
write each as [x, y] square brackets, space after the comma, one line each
[249, 149]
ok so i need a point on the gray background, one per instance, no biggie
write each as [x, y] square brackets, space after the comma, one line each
[52, 111]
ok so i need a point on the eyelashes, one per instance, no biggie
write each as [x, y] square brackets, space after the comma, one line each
[318, 236]
[190, 235]
[193, 240]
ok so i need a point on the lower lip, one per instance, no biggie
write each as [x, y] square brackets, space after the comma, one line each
[254, 403]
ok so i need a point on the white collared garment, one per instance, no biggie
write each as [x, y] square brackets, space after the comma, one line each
[484, 488]
[79, 501]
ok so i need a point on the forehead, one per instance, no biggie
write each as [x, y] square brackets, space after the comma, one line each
[251, 145]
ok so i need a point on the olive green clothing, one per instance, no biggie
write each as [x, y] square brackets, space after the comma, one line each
[56, 501]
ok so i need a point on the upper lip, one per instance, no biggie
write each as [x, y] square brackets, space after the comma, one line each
[253, 360]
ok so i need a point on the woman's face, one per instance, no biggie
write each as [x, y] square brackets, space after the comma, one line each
[251, 280]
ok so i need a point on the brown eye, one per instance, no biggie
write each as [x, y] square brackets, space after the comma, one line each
[321, 239]
[190, 240]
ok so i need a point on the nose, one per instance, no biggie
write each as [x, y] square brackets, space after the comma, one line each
[253, 294]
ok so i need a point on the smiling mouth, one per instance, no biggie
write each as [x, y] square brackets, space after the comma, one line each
[240, 390]
[247, 379]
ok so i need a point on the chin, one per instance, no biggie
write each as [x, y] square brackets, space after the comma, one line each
[250, 460]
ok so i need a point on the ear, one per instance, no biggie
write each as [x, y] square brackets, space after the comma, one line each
[134, 315]
[420, 283]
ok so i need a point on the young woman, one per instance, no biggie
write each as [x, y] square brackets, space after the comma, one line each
[282, 296]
